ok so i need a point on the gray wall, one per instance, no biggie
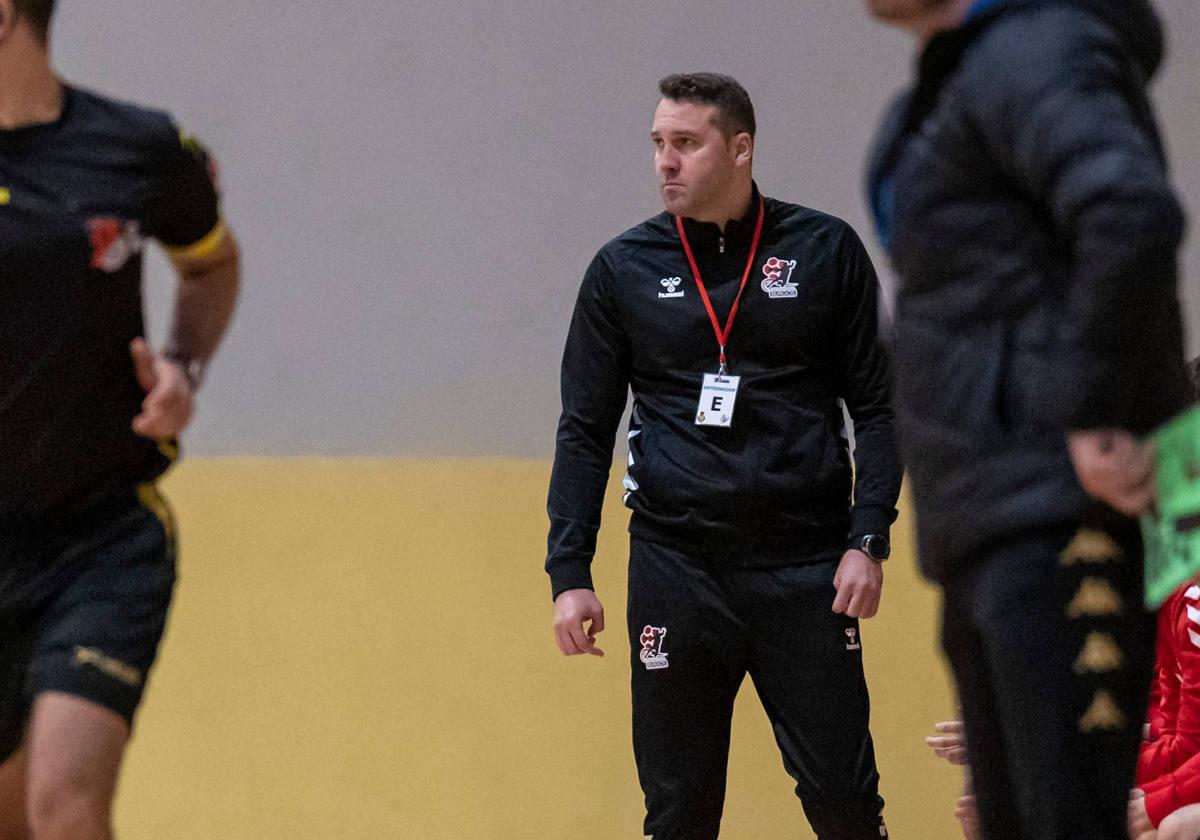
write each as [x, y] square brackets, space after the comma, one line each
[419, 185]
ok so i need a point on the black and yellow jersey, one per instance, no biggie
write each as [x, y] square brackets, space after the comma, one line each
[78, 198]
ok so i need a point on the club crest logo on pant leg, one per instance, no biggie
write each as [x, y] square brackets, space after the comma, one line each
[653, 656]
[852, 642]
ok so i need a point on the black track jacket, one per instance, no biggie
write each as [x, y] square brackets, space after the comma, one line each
[775, 488]
[1036, 236]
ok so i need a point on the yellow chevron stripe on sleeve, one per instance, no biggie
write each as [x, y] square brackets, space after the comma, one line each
[204, 247]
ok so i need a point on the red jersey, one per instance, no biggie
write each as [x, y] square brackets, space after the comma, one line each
[1169, 764]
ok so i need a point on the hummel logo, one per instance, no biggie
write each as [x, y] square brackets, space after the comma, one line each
[670, 284]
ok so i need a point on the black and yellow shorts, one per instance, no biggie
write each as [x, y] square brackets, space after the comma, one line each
[82, 611]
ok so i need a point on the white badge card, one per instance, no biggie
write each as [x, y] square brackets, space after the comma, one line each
[717, 397]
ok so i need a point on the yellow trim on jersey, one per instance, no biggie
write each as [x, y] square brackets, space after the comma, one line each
[169, 448]
[5, 195]
[206, 246]
[153, 501]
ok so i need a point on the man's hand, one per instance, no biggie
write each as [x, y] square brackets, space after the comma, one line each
[169, 403]
[951, 744]
[1139, 820]
[571, 610]
[1114, 467]
[859, 581]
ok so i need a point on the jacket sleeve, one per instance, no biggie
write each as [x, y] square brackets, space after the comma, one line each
[1181, 741]
[1073, 128]
[865, 386]
[1171, 792]
[1154, 758]
[595, 382]
[1164, 691]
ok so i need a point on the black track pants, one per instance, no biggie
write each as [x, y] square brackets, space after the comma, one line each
[696, 630]
[1052, 652]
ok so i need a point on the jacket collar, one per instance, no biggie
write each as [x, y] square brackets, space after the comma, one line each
[738, 232]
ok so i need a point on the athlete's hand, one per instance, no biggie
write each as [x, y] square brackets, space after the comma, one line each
[571, 610]
[1139, 820]
[951, 744]
[859, 582]
[967, 812]
[1114, 467]
[169, 402]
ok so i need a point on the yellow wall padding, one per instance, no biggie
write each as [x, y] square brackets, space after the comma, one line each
[361, 650]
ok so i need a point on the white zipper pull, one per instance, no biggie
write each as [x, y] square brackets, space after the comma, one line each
[721, 244]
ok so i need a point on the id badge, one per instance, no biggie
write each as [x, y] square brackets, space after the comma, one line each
[717, 396]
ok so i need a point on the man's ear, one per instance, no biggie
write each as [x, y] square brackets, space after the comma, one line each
[743, 147]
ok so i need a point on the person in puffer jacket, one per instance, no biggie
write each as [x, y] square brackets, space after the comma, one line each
[1021, 191]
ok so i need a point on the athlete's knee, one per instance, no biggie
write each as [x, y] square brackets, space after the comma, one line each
[1183, 824]
[69, 806]
[14, 831]
[13, 825]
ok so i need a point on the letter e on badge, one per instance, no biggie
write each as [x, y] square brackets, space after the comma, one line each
[717, 397]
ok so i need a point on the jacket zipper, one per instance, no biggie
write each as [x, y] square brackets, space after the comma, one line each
[721, 245]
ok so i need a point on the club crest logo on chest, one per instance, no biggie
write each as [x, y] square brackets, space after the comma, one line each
[114, 242]
[777, 278]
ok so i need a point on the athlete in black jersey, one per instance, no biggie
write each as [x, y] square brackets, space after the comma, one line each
[89, 416]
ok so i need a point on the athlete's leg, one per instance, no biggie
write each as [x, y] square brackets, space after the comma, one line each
[17, 634]
[1183, 824]
[806, 662]
[96, 643]
[13, 823]
[74, 754]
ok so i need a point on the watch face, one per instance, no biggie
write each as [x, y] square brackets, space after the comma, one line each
[876, 547]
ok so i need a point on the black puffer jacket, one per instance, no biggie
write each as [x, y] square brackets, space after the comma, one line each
[1035, 235]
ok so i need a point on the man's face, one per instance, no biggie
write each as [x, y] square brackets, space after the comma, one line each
[696, 165]
[902, 12]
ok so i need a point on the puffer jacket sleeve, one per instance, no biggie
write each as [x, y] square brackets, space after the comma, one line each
[1072, 126]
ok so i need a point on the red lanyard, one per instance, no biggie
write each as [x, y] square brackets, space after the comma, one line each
[722, 335]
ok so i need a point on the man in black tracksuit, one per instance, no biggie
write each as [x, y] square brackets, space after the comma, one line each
[1020, 188]
[739, 322]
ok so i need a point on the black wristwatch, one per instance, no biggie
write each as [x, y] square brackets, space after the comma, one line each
[875, 546]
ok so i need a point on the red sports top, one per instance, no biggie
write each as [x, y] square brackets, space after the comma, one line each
[1169, 764]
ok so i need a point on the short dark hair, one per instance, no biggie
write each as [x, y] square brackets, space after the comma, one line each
[735, 112]
[37, 13]
[1194, 372]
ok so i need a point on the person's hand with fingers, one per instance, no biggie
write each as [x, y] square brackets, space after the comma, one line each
[967, 813]
[950, 743]
[1114, 467]
[859, 584]
[578, 618]
[169, 402]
